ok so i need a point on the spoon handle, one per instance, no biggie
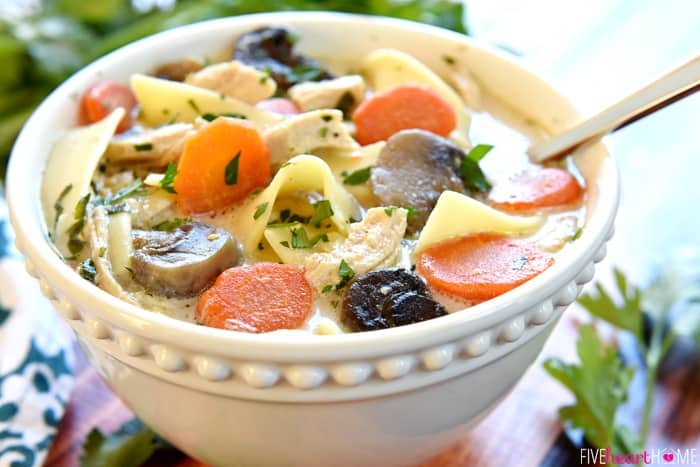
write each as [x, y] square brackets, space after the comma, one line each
[676, 84]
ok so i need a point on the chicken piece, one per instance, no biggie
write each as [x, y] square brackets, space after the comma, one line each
[303, 133]
[156, 147]
[373, 243]
[340, 93]
[557, 233]
[236, 80]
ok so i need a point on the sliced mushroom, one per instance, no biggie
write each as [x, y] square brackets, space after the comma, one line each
[183, 262]
[234, 79]
[386, 299]
[413, 169]
[301, 134]
[271, 49]
[340, 93]
[177, 71]
[152, 147]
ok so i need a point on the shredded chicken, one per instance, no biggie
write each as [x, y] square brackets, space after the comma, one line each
[156, 147]
[303, 133]
[373, 243]
[234, 79]
[329, 93]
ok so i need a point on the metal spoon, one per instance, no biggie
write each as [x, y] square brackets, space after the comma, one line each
[680, 82]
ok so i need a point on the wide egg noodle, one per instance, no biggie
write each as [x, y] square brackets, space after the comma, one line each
[73, 161]
[386, 68]
[457, 215]
[162, 101]
[301, 173]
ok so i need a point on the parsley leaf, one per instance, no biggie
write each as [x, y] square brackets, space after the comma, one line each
[231, 173]
[169, 178]
[194, 105]
[600, 386]
[87, 270]
[472, 176]
[345, 103]
[130, 446]
[169, 226]
[75, 243]
[132, 189]
[260, 210]
[300, 239]
[627, 315]
[358, 177]
[411, 212]
[322, 210]
[211, 117]
[143, 147]
[58, 205]
[346, 273]
[301, 73]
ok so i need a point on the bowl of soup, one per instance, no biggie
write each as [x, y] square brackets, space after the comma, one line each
[308, 238]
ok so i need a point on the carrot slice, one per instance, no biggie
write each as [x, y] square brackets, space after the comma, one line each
[260, 298]
[481, 266]
[220, 165]
[100, 99]
[403, 107]
[278, 105]
[549, 187]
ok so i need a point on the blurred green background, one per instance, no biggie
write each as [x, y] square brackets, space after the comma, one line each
[42, 43]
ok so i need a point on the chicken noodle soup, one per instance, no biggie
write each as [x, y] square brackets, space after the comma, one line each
[270, 193]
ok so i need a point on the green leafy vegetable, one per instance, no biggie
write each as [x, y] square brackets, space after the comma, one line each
[231, 172]
[169, 178]
[130, 446]
[87, 270]
[345, 103]
[358, 177]
[143, 147]
[302, 73]
[58, 205]
[300, 239]
[260, 210]
[472, 176]
[135, 188]
[411, 212]
[322, 210]
[169, 226]
[346, 274]
[599, 384]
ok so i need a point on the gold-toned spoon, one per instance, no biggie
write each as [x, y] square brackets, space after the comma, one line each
[680, 82]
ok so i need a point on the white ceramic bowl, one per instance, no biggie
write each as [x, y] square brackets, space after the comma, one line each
[392, 397]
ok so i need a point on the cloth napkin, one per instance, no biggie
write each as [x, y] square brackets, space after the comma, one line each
[35, 361]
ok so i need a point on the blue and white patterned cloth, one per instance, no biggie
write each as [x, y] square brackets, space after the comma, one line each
[35, 361]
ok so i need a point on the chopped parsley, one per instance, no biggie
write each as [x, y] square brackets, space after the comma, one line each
[472, 176]
[577, 234]
[323, 132]
[169, 178]
[87, 270]
[260, 210]
[102, 251]
[346, 273]
[279, 225]
[75, 243]
[357, 177]
[322, 210]
[300, 239]
[58, 205]
[519, 263]
[211, 117]
[285, 243]
[231, 173]
[327, 118]
[302, 73]
[194, 105]
[169, 226]
[345, 103]
[117, 208]
[449, 59]
[132, 189]
[327, 288]
[411, 212]
[143, 147]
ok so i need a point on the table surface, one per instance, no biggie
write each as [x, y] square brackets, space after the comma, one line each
[596, 50]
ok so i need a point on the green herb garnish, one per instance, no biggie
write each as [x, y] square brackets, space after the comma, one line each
[75, 243]
[117, 208]
[231, 173]
[322, 210]
[170, 225]
[211, 117]
[472, 176]
[345, 103]
[323, 132]
[87, 270]
[260, 210]
[143, 147]
[327, 118]
[449, 59]
[58, 205]
[411, 212]
[346, 274]
[279, 225]
[169, 178]
[327, 288]
[300, 239]
[303, 73]
[194, 105]
[132, 189]
[358, 177]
